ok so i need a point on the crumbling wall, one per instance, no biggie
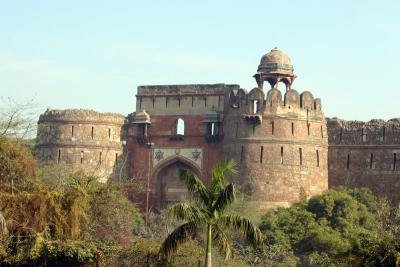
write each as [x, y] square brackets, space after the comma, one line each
[365, 154]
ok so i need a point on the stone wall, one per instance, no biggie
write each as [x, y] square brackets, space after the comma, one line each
[191, 99]
[82, 139]
[365, 154]
[281, 145]
[165, 105]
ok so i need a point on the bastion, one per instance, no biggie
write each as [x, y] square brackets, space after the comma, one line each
[82, 139]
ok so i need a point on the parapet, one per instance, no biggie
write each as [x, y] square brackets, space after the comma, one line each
[80, 115]
[180, 100]
[375, 131]
[185, 89]
[292, 104]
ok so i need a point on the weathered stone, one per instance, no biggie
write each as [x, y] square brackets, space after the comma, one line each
[365, 154]
[279, 143]
[83, 139]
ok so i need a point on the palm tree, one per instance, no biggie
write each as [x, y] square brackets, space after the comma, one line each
[208, 211]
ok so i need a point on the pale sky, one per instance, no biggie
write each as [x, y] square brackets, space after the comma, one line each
[93, 54]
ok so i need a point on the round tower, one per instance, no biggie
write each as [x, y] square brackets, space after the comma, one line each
[82, 140]
[280, 143]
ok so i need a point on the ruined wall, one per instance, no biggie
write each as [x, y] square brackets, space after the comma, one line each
[365, 154]
[165, 105]
[280, 145]
[82, 139]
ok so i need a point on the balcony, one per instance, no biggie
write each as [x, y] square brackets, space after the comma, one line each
[253, 118]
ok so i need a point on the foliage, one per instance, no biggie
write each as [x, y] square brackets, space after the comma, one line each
[59, 216]
[72, 220]
[208, 212]
[113, 217]
[70, 253]
[67, 223]
[337, 228]
[17, 167]
[57, 175]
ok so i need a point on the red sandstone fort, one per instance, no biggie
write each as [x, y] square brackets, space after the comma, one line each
[284, 146]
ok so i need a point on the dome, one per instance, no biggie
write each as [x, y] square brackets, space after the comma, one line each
[276, 61]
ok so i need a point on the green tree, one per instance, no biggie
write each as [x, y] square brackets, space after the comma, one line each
[208, 210]
[340, 227]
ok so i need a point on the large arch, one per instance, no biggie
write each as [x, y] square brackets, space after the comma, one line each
[168, 185]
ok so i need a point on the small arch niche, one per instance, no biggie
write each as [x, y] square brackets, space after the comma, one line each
[179, 127]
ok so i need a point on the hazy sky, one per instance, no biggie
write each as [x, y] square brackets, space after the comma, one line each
[93, 54]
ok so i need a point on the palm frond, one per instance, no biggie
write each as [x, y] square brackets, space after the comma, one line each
[179, 236]
[196, 187]
[243, 225]
[186, 212]
[219, 173]
[225, 197]
[222, 241]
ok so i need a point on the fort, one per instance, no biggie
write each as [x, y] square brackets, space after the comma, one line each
[284, 146]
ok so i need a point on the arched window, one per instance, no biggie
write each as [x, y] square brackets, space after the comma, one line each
[255, 106]
[233, 99]
[212, 128]
[179, 127]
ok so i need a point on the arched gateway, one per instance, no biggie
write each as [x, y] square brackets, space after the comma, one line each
[169, 186]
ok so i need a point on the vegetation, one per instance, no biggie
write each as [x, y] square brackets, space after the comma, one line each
[50, 216]
[341, 227]
[17, 168]
[41, 223]
[208, 211]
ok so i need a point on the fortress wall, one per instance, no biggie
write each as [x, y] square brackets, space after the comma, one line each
[83, 139]
[181, 99]
[365, 154]
[277, 157]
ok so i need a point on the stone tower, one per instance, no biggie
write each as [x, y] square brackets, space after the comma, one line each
[280, 144]
[82, 140]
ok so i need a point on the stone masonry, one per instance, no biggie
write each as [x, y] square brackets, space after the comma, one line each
[82, 139]
[284, 147]
[365, 154]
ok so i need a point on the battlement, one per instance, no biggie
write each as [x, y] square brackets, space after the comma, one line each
[294, 105]
[79, 127]
[176, 100]
[80, 115]
[373, 132]
[185, 89]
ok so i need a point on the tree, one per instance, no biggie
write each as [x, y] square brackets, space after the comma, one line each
[17, 120]
[114, 218]
[17, 167]
[340, 227]
[207, 211]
